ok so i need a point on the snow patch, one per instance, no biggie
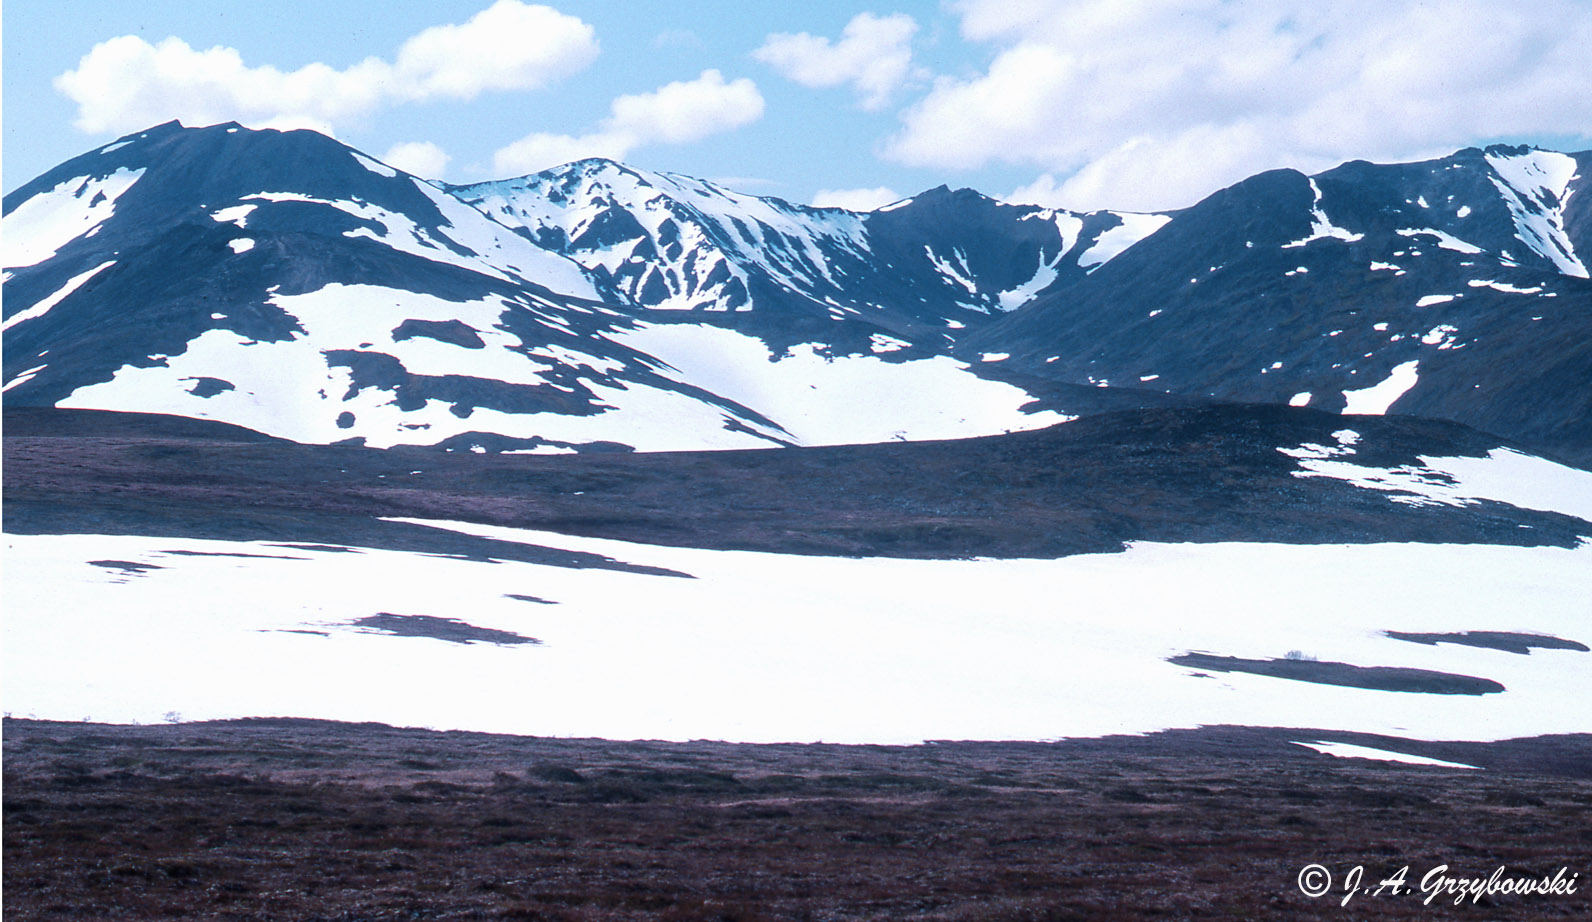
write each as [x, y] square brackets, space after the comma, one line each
[42, 306]
[1351, 751]
[1504, 476]
[237, 214]
[1534, 186]
[950, 270]
[1043, 276]
[24, 377]
[1321, 228]
[1445, 240]
[1376, 399]
[1505, 287]
[380, 169]
[1111, 244]
[38, 228]
[824, 400]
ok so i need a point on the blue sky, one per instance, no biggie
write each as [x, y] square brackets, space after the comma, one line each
[1133, 104]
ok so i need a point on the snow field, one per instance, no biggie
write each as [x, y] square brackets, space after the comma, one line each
[846, 650]
[822, 400]
[287, 389]
[38, 228]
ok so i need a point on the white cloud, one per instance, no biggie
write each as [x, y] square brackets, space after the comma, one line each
[855, 199]
[125, 83]
[542, 150]
[685, 111]
[1151, 105]
[676, 113]
[420, 158]
[874, 55]
[1044, 192]
[507, 46]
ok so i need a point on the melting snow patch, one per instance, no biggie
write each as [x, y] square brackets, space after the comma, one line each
[38, 228]
[1504, 287]
[1535, 187]
[1441, 336]
[1045, 274]
[24, 377]
[883, 343]
[994, 356]
[1347, 438]
[1444, 240]
[949, 269]
[1320, 227]
[42, 307]
[1376, 399]
[1112, 243]
[379, 169]
[1504, 476]
[1349, 751]
[1430, 300]
[241, 244]
[1522, 480]
[839, 400]
[1300, 399]
[237, 214]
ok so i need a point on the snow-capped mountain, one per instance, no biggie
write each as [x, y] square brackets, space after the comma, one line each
[1455, 288]
[287, 283]
[907, 275]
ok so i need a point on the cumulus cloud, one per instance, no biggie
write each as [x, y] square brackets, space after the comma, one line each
[507, 46]
[676, 113]
[421, 158]
[855, 199]
[874, 56]
[542, 150]
[126, 83]
[1154, 104]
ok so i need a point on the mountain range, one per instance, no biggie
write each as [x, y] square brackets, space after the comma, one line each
[287, 283]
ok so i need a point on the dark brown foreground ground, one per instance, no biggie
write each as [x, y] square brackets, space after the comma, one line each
[307, 820]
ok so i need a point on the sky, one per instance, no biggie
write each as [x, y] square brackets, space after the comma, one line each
[1135, 105]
